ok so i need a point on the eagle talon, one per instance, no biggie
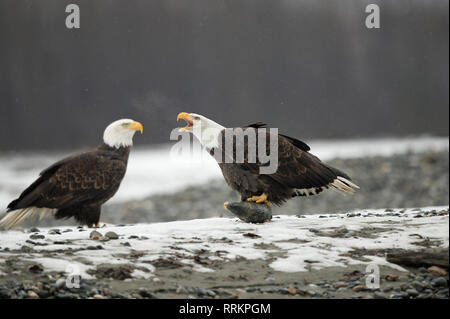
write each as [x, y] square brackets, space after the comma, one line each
[259, 199]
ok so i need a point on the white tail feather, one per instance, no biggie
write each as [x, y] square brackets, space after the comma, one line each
[340, 184]
[15, 217]
[344, 186]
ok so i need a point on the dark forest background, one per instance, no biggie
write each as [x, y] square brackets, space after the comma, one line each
[311, 68]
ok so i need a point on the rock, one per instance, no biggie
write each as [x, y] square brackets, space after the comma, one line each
[32, 294]
[339, 284]
[145, 293]
[412, 292]
[439, 282]
[292, 291]
[112, 235]
[380, 295]
[26, 249]
[400, 295]
[54, 232]
[270, 279]
[418, 285]
[96, 296]
[36, 236]
[34, 230]
[61, 282]
[359, 288]
[311, 293]
[388, 289]
[95, 235]
[107, 292]
[35, 269]
[391, 277]
[437, 271]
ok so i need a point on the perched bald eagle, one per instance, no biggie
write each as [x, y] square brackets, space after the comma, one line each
[299, 173]
[77, 186]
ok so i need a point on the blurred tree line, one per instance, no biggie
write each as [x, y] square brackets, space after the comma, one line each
[310, 67]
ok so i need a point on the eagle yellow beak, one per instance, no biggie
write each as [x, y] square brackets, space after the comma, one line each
[189, 120]
[136, 126]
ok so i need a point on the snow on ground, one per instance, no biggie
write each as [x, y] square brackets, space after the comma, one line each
[154, 170]
[297, 243]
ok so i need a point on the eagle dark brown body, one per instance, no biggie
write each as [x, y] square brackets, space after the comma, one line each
[299, 173]
[78, 185]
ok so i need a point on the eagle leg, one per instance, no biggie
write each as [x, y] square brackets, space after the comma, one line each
[259, 199]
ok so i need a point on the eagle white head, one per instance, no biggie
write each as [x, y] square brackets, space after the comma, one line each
[205, 130]
[120, 133]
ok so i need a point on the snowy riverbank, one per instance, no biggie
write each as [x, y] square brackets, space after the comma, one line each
[227, 256]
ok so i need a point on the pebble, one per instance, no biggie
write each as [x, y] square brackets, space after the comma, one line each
[32, 294]
[339, 284]
[26, 249]
[435, 270]
[61, 282]
[439, 282]
[380, 295]
[292, 291]
[95, 235]
[400, 295]
[144, 292]
[412, 292]
[418, 285]
[391, 277]
[112, 235]
[36, 236]
[359, 288]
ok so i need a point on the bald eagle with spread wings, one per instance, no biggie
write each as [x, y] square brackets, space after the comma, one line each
[298, 172]
[79, 185]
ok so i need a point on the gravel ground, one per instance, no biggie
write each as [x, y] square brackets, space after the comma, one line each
[23, 276]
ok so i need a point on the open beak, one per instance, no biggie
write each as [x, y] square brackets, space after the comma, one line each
[188, 119]
[136, 126]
